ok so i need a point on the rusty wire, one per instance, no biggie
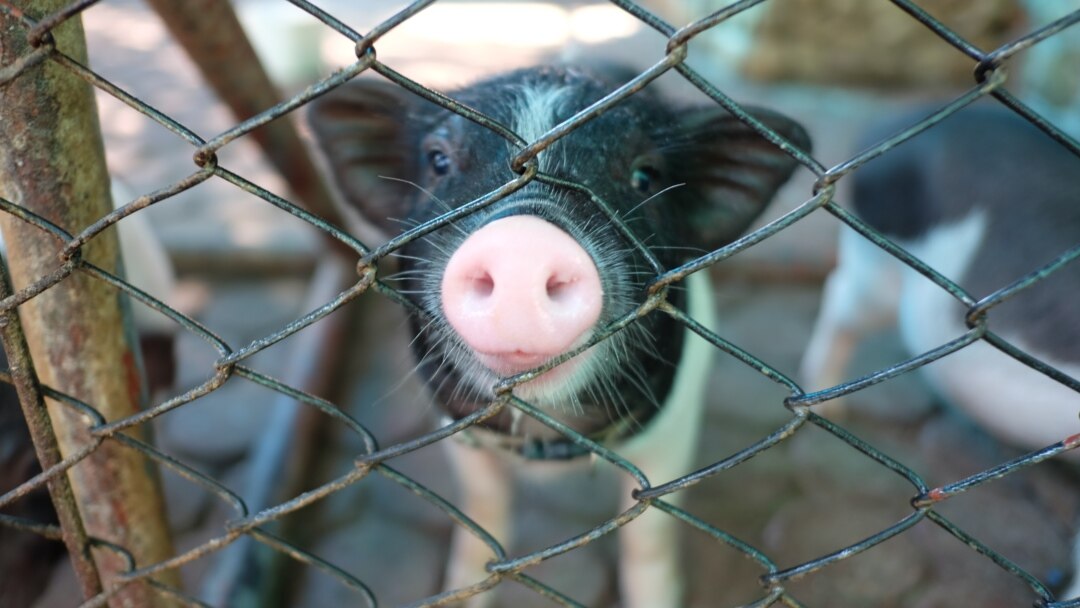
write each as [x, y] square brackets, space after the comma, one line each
[989, 81]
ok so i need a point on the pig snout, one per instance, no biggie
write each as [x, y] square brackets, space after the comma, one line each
[520, 291]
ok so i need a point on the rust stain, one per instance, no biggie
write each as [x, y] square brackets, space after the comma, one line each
[77, 334]
[132, 375]
[1072, 441]
[935, 495]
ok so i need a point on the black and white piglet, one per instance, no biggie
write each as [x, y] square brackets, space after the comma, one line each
[538, 273]
[984, 198]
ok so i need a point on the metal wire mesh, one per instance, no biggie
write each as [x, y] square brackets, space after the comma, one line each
[990, 81]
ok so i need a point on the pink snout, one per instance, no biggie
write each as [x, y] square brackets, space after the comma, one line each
[520, 291]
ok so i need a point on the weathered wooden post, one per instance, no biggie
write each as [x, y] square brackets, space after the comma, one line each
[52, 164]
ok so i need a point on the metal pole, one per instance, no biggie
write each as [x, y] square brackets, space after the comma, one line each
[26, 383]
[52, 164]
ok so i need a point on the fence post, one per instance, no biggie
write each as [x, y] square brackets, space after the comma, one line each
[52, 163]
[26, 384]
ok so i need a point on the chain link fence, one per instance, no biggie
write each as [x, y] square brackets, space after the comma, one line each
[109, 568]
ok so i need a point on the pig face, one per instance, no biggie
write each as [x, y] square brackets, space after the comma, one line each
[537, 273]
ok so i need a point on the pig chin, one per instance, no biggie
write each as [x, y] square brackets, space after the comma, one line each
[558, 386]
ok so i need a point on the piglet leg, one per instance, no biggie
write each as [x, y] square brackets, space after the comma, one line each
[485, 497]
[859, 296]
[651, 575]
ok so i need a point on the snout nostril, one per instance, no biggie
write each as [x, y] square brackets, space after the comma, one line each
[482, 285]
[558, 288]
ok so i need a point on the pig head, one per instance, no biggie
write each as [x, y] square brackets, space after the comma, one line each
[537, 273]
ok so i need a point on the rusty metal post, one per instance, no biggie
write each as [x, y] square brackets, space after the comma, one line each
[34, 410]
[212, 36]
[52, 163]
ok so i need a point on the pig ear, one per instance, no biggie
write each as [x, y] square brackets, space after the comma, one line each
[731, 172]
[362, 129]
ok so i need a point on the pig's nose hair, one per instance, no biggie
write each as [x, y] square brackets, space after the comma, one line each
[521, 285]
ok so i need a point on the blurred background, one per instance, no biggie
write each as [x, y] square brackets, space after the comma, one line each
[244, 267]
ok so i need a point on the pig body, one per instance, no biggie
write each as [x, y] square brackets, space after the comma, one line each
[984, 198]
[535, 275]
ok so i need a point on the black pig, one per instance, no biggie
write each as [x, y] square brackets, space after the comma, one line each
[536, 274]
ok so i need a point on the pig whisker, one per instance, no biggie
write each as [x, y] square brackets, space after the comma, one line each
[405, 377]
[397, 385]
[418, 187]
[468, 371]
[636, 377]
[621, 410]
[697, 250]
[462, 390]
[430, 194]
[631, 366]
[604, 393]
[437, 391]
[420, 261]
[405, 274]
[642, 203]
[441, 245]
[638, 272]
[593, 392]
[407, 222]
[444, 361]
[625, 253]
[414, 271]
[433, 328]
[473, 391]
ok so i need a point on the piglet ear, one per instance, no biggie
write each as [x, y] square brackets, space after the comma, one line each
[731, 172]
[362, 129]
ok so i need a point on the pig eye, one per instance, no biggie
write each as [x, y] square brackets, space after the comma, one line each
[644, 178]
[439, 161]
